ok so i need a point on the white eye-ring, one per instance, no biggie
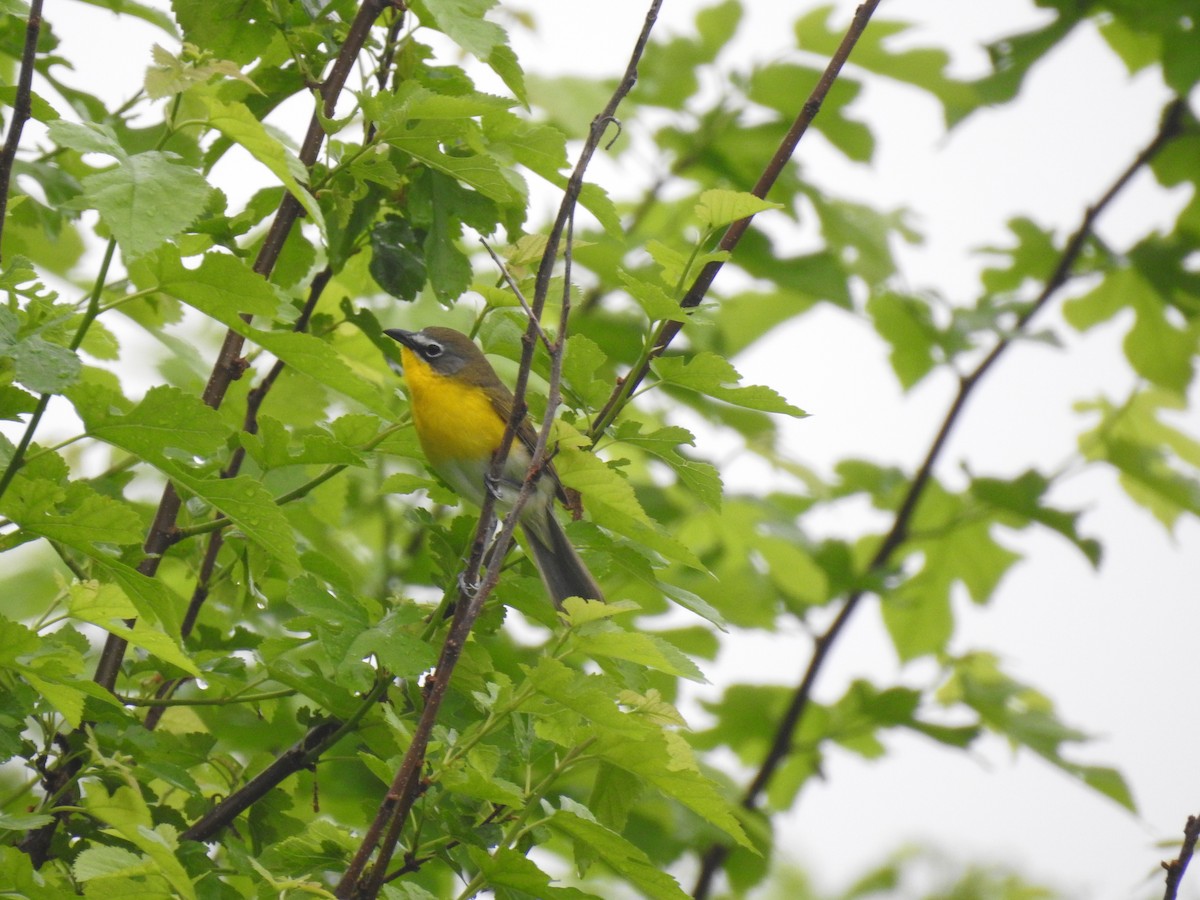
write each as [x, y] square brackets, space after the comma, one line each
[433, 351]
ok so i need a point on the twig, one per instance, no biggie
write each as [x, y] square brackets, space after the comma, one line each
[22, 105]
[301, 755]
[667, 331]
[1176, 867]
[384, 831]
[781, 746]
[507, 276]
[254, 401]
[229, 365]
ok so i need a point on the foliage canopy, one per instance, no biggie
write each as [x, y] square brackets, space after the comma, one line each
[228, 584]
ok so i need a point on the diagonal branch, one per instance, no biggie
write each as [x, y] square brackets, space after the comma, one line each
[229, 364]
[384, 831]
[227, 367]
[22, 105]
[1176, 867]
[254, 401]
[1171, 126]
[667, 331]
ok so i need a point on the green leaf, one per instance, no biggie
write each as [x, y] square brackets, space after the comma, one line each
[146, 199]
[708, 373]
[15, 821]
[701, 479]
[463, 22]
[39, 107]
[1026, 717]
[924, 68]
[221, 286]
[1023, 497]
[236, 122]
[1157, 461]
[658, 305]
[623, 857]
[717, 208]
[73, 514]
[166, 423]
[642, 648]
[38, 364]
[105, 862]
[106, 605]
[907, 325]
[665, 762]
[127, 813]
[518, 876]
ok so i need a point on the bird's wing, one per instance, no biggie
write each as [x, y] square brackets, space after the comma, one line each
[502, 404]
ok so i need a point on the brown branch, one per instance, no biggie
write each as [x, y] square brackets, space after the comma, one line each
[254, 401]
[712, 860]
[301, 755]
[384, 831]
[667, 331]
[229, 364]
[22, 105]
[1176, 867]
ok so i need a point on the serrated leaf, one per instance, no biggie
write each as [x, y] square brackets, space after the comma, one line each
[15, 821]
[642, 648]
[576, 611]
[221, 286]
[665, 762]
[720, 207]
[463, 22]
[518, 876]
[248, 504]
[236, 122]
[708, 373]
[147, 199]
[106, 862]
[700, 478]
[106, 606]
[166, 423]
[656, 303]
[74, 514]
[623, 857]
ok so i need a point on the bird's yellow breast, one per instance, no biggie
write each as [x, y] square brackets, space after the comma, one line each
[455, 420]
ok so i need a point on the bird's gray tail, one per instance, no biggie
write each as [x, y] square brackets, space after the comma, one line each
[562, 571]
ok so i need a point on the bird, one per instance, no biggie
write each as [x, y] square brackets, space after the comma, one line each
[460, 409]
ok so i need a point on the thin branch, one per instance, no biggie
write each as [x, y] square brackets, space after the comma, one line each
[93, 310]
[1176, 867]
[516, 289]
[22, 105]
[384, 831]
[714, 857]
[254, 402]
[229, 364]
[227, 367]
[301, 755]
[667, 331]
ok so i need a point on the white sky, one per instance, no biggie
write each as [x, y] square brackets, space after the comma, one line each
[1116, 650]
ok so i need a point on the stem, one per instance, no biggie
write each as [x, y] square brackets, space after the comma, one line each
[89, 316]
[22, 106]
[300, 755]
[781, 746]
[227, 366]
[397, 804]
[666, 332]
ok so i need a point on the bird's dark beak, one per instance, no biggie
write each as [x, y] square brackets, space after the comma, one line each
[407, 338]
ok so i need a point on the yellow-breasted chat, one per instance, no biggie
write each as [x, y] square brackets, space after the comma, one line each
[460, 408]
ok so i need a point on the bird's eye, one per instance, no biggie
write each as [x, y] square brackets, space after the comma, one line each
[433, 351]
